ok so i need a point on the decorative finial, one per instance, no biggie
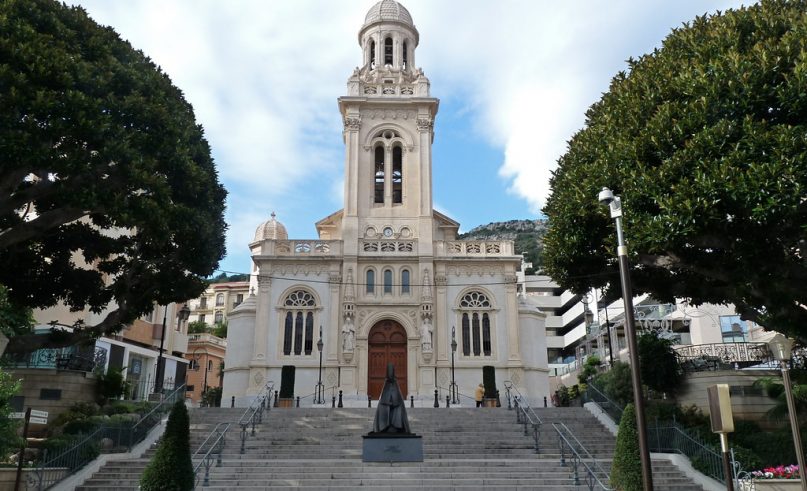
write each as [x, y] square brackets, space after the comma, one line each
[273, 215]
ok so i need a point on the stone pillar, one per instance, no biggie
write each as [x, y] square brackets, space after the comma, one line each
[261, 334]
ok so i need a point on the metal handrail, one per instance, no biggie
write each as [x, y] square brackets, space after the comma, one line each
[583, 450]
[332, 388]
[77, 456]
[207, 459]
[510, 386]
[254, 413]
[525, 414]
[459, 394]
[602, 400]
[591, 479]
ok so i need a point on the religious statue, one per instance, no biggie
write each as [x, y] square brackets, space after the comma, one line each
[348, 334]
[390, 416]
[426, 334]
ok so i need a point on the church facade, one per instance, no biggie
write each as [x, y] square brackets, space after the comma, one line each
[386, 281]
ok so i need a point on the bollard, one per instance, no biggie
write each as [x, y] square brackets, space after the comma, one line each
[544, 401]
[333, 401]
[298, 401]
[436, 399]
[498, 401]
[275, 398]
[340, 400]
[232, 401]
[411, 401]
[369, 400]
[448, 400]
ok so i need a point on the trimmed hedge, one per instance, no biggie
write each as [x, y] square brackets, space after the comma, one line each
[171, 468]
[626, 472]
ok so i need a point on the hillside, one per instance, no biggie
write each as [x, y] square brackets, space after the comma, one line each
[528, 236]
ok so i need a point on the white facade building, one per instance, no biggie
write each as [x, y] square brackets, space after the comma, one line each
[386, 281]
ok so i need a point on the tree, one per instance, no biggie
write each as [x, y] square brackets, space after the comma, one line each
[9, 441]
[220, 329]
[659, 363]
[198, 327]
[626, 472]
[103, 165]
[171, 467]
[705, 141]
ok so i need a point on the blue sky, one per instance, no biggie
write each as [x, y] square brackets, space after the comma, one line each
[514, 78]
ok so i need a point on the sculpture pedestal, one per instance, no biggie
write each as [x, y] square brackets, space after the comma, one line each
[390, 448]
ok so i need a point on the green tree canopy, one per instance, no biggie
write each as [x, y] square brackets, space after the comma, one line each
[705, 139]
[103, 165]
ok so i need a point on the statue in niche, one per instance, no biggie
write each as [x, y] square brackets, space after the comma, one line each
[390, 416]
[348, 335]
[426, 334]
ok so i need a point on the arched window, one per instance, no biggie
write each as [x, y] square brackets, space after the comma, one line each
[405, 282]
[298, 329]
[219, 317]
[220, 300]
[379, 174]
[397, 175]
[372, 54]
[370, 282]
[405, 55]
[387, 281]
[388, 51]
[475, 321]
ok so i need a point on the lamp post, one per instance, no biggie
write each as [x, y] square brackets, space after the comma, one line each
[782, 348]
[320, 392]
[182, 316]
[614, 203]
[453, 388]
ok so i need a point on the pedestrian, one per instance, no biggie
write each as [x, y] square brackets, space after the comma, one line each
[480, 392]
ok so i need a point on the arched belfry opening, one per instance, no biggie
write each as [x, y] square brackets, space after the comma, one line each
[388, 58]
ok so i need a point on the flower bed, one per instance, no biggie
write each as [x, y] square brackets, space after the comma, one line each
[781, 478]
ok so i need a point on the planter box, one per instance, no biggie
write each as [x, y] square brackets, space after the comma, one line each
[282, 402]
[771, 485]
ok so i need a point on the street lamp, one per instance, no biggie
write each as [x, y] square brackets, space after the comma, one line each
[453, 388]
[607, 198]
[320, 392]
[182, 316]
[782, 348]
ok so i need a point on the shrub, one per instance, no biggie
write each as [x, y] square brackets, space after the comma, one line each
[626, 472]
[562, 396]
[119, 407]
[171, 468]
[80, 426]
[111, 385]
[590, 369]
[616, 383]
[212, 397]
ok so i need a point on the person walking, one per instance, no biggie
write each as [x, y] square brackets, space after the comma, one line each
[479, 394]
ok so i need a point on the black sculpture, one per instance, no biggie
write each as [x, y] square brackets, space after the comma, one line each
[390, 416]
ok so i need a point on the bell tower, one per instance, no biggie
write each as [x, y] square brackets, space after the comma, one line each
[388, 118]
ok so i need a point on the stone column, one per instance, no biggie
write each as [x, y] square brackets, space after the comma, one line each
[260, 348]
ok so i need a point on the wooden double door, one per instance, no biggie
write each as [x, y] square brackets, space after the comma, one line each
[386, 344]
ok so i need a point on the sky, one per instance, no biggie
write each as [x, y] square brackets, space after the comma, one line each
[514, 79]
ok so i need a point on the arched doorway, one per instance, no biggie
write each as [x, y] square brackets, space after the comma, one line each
[386, 344]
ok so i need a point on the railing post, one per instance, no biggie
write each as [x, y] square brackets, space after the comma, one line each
[369, 400]
[576, 474]
[411, 401]
[298, 401]
[243, 436]
[333, 401]
[562, 454]
[448, 401]
[275, 399]
[526, 420]
[535, 436]
[545, 401]
[507, 394]
[206, 481]
[436, 403]
[340, 400]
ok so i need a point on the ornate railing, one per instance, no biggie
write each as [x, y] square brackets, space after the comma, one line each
[69, 358]
[594, 475]
[728, 353]
[303, 247]
[388, 246]
[476, 248]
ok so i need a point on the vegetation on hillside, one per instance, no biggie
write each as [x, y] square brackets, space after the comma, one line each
[527, 235]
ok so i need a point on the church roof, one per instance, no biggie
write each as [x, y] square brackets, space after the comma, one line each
[388, 10]
[271, 230]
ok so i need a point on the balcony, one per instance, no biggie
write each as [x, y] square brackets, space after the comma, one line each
[302, 248]
[714, 356]
[207, 339]
[474, 248]
[70, 358]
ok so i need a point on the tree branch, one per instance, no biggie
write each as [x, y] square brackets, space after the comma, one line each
[37, 226]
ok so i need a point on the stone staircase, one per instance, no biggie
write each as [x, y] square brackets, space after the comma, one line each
[464, 448]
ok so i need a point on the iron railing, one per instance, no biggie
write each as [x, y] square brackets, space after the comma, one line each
[445, 394]
[611, 408]
[670, 437]
[69, 358]
[313, 396]
[51, 470]
[580, 457]
[704, 357]
[254, 412]
[215, 441]
[525, 414]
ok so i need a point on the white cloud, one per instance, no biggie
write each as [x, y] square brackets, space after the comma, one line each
[264, 77]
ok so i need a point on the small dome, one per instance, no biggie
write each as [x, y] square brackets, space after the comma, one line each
[388, 10]
[271, 230]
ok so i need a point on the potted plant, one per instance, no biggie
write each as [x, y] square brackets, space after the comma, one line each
[489, 381]
[286, 396]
